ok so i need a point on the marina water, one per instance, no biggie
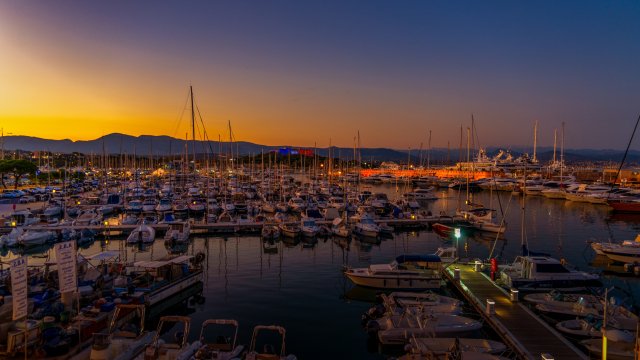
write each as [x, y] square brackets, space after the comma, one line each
[300, 285]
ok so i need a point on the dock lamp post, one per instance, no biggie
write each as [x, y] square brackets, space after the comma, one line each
[457, 233]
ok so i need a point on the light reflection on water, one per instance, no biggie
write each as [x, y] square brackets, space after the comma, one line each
[301, 287]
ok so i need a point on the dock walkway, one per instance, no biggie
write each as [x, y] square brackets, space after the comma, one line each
[527, 334]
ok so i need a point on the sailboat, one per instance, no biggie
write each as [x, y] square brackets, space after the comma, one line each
[540, 272]
[480, 217]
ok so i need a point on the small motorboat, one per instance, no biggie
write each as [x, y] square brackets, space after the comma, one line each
[125, 338]
[290, 230]
[581, 328]
[366, 226]
[398, 302]
[178, 232]
[309, 227]
[405, 272]
[270, 232]
[176, 348]
[143, 234]
[222, 347]
[268, 352]
[620, 345]
[398, 329]
[339, 228]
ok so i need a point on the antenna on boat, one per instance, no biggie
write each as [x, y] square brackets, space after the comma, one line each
[193, 128]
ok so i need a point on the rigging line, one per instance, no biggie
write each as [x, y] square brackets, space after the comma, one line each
[624, 157]
[184, 108]
[206, 136]
[502, 223]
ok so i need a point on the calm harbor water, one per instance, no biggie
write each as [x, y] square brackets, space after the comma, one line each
[301, 286]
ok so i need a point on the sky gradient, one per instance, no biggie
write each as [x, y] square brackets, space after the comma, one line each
[304, 72]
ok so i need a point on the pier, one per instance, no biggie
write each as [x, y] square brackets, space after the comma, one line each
[229, 227]
[526, 334]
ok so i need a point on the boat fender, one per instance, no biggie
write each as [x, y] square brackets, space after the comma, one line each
[199, 258]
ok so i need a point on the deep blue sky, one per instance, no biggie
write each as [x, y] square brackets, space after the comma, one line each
[304, 72]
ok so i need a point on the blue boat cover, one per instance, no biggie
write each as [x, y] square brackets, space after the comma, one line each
[413, 258]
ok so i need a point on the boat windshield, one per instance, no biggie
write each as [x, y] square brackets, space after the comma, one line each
[551, 268]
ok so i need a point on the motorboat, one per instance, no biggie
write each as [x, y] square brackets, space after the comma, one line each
[87, 217]
[270, 232]
[149, 205]
[556, 298]
[11, 239]
[405, 272]
[35, 237]
[421, 194]
[620, 346]
[125, 337]
[212, 205]
[398, 329]
[156, 280]
[222, 347]
[397, 302]
[448, 254]
[309, 227]
[443, 230]
[581, 328]
[164, 205]
[179, 206]
[54, 209]
[23, 218]
[172, 349]
[178, 232]
[544, 273]
[134, 206]
[617, 316]
[291, 230]
[129, 219]
[297, 204]
[144, 234]
[106, 209]
[196, 206]
[339, 228]
[269, 352]
[366, 226]
[337, 202]
[628, 253]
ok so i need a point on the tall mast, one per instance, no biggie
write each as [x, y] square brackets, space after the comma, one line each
[562, 151]
[429, 152]
[535, 141]
[193, 128]
[555, 140]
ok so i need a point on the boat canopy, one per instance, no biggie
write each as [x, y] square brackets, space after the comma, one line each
[415, 258]
[154, 264]
[106, 255]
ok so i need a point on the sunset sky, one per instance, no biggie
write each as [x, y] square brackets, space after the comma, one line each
[303, 72]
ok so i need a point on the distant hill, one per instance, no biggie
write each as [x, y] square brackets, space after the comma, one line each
[164, 145]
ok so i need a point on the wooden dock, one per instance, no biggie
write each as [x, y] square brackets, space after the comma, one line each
[228, 227]
[527, 334]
